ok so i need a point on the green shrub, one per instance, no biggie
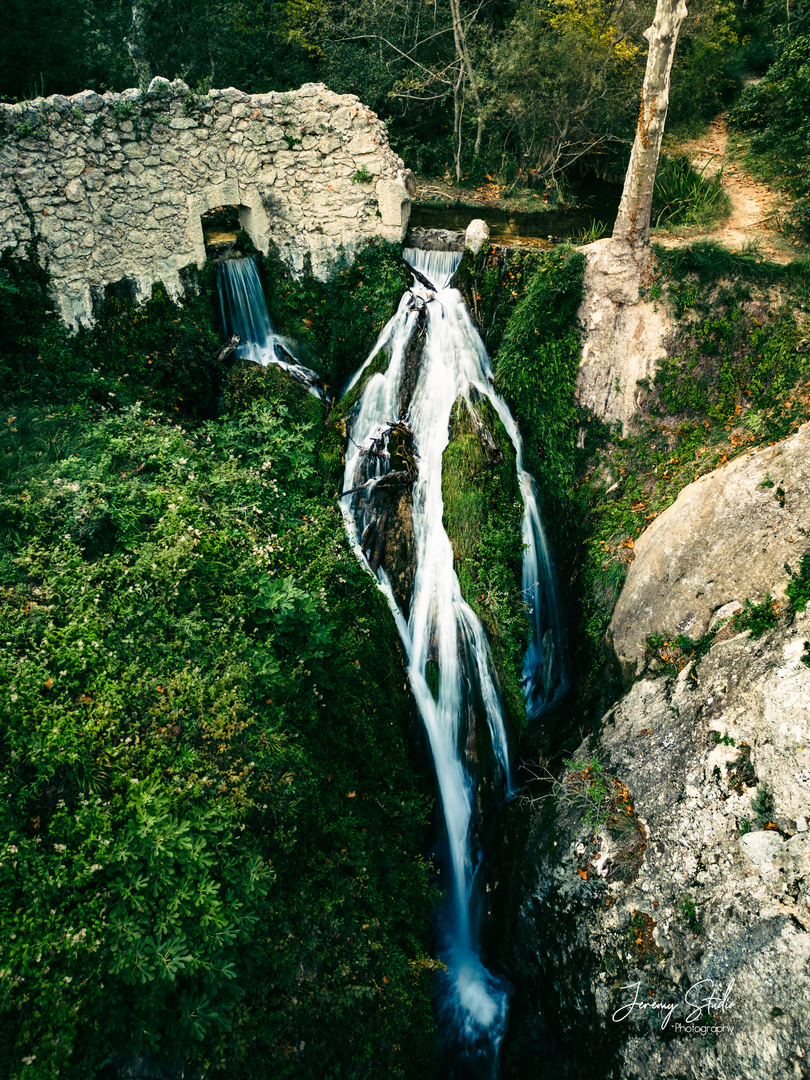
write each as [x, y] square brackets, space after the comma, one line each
[684, 196]
[757, 618]
[798, 588]
[206, 787]
[362, 176]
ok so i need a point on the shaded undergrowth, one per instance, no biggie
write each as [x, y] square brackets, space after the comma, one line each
[212, 829]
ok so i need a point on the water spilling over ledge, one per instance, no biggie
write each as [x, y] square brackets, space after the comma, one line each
[448, 656]
[244, 312]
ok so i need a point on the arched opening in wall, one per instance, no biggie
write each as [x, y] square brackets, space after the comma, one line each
[233, 214]
[221, 228]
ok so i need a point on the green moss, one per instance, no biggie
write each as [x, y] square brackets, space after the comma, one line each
[250, 384]
[494, 284]
[335, 323]
[483, 512]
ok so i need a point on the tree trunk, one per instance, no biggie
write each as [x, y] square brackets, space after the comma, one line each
[633, 220]
[463, 53]
[458, 110]
[135, 43]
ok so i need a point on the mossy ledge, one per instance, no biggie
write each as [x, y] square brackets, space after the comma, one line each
[482, 517]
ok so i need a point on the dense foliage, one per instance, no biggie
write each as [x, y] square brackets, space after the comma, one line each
[775, 113]
[335, 323]
[211, 833]
[734, 378]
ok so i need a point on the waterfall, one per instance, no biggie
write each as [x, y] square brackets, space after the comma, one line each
[441, 629]
[244, 312]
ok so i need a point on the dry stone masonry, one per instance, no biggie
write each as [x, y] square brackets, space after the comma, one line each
[112, 187]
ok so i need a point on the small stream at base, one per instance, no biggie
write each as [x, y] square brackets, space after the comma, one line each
[442, 630]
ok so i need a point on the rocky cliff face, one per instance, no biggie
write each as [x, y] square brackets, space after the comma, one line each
[624, 335]
[725, 539]
[662, 923]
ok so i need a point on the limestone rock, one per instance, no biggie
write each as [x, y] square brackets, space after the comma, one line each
[623, 337]
[760, 848]
[395, 205]
[725, 538]
[708, 908]
[477, 235]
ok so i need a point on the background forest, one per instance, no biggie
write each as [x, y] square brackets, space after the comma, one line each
[520, 89]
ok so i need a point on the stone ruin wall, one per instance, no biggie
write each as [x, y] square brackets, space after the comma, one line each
[113, 187]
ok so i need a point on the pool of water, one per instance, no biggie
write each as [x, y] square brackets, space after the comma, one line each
[595, 201]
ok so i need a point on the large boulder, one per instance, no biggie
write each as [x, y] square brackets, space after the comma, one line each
[707, 911]
[727, 537]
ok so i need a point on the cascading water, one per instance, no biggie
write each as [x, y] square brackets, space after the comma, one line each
[244, 312]
[441, 634]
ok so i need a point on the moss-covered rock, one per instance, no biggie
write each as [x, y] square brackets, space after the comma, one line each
[483, 512]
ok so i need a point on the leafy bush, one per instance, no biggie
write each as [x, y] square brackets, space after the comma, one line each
[683, 195]
[211, 825]
[672, 652]
[124, 919]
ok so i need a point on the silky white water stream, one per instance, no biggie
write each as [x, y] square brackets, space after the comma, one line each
[244, 312]
[447, 651]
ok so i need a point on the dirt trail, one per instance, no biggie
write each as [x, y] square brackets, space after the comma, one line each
[752, 203]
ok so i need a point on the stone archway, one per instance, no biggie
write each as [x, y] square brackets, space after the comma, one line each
[99, 198]
[252, 215]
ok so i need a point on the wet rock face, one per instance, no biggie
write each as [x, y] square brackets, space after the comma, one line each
[726, 538]
[716, 921]
[393, 546]
[114, 186]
